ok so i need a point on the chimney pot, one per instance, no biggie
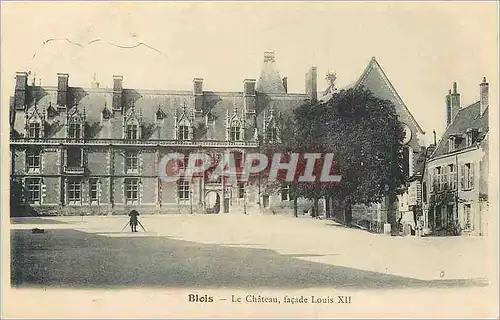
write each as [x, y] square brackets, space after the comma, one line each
[484, 96]
[312, 84]
[285, 84]
[117, 83]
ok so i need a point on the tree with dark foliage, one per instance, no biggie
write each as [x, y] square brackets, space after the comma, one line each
[366, 137]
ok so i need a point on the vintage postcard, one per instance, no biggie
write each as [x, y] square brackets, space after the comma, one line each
[249, 159]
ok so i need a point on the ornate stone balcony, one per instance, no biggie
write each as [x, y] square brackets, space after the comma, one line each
[138, 143]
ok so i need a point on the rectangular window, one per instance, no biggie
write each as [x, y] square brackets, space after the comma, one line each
[75, 130]
[467, 217]
[33, 189]
[132, 161]
[438, 181]
[183, 133]
[34, 130]
[132, 132]
[467, 178]
[74, 191]
[94, 190]
[451, 176]
[33, 161]
[241, 190]
[235, 133]
[132, 190]
[183, 189]
[74, 157]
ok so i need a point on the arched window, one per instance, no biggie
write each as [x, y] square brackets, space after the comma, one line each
[183, 130]
[235, 131]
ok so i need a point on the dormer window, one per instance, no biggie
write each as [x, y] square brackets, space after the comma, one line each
[235, 131]
[51, 112]
[451, 144]
[106, 114]
[160, 115]
[468, 137]
[272, 134]
[34, 129]
[183, 130]
[210, 119]
[132, 131]
[133, 121]
[75, 128]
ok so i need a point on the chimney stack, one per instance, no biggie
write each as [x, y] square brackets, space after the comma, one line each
[198, 94]
[117, 92]
[312, 84]
[249, 95]
[483, 102]
[452, 104]
[20, 90]
[285, 84]
[62, 89]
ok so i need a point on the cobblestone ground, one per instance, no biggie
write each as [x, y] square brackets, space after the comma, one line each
[236, 250]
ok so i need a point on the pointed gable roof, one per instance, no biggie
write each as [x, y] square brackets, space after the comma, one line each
[270, 80]
[375, 80]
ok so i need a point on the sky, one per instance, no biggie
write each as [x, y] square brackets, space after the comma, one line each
[423, 47]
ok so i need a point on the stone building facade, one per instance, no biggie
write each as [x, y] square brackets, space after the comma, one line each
[456, 175]
[96, 150]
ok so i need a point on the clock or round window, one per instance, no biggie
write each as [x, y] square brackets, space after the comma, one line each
[407, 134]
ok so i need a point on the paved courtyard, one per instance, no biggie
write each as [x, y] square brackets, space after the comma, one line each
[236, 251]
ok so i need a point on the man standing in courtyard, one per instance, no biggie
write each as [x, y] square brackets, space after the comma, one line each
[133, 220]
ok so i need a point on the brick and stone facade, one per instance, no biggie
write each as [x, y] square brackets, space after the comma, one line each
[96, 150]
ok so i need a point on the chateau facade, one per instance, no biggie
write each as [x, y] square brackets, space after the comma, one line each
[96, 150]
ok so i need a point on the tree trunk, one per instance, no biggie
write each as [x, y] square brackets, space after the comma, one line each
[316, 207]
[295, 209]
[327, 205]
[347, 214]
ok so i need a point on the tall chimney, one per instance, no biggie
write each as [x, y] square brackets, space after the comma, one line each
[455, 102]
[449, 117]
[62, 89]
[483, 102]
[20, 90]
[198, 94]
[249, 95]
[285, 84]
[312, 84]
[117, 92]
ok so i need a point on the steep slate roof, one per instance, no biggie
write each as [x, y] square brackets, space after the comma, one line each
[466, 118]
[270, 80]
[374, 79]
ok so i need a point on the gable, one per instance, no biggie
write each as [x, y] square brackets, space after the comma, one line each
[375, 80]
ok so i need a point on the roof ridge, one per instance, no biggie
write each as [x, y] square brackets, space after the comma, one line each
[374, 63]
